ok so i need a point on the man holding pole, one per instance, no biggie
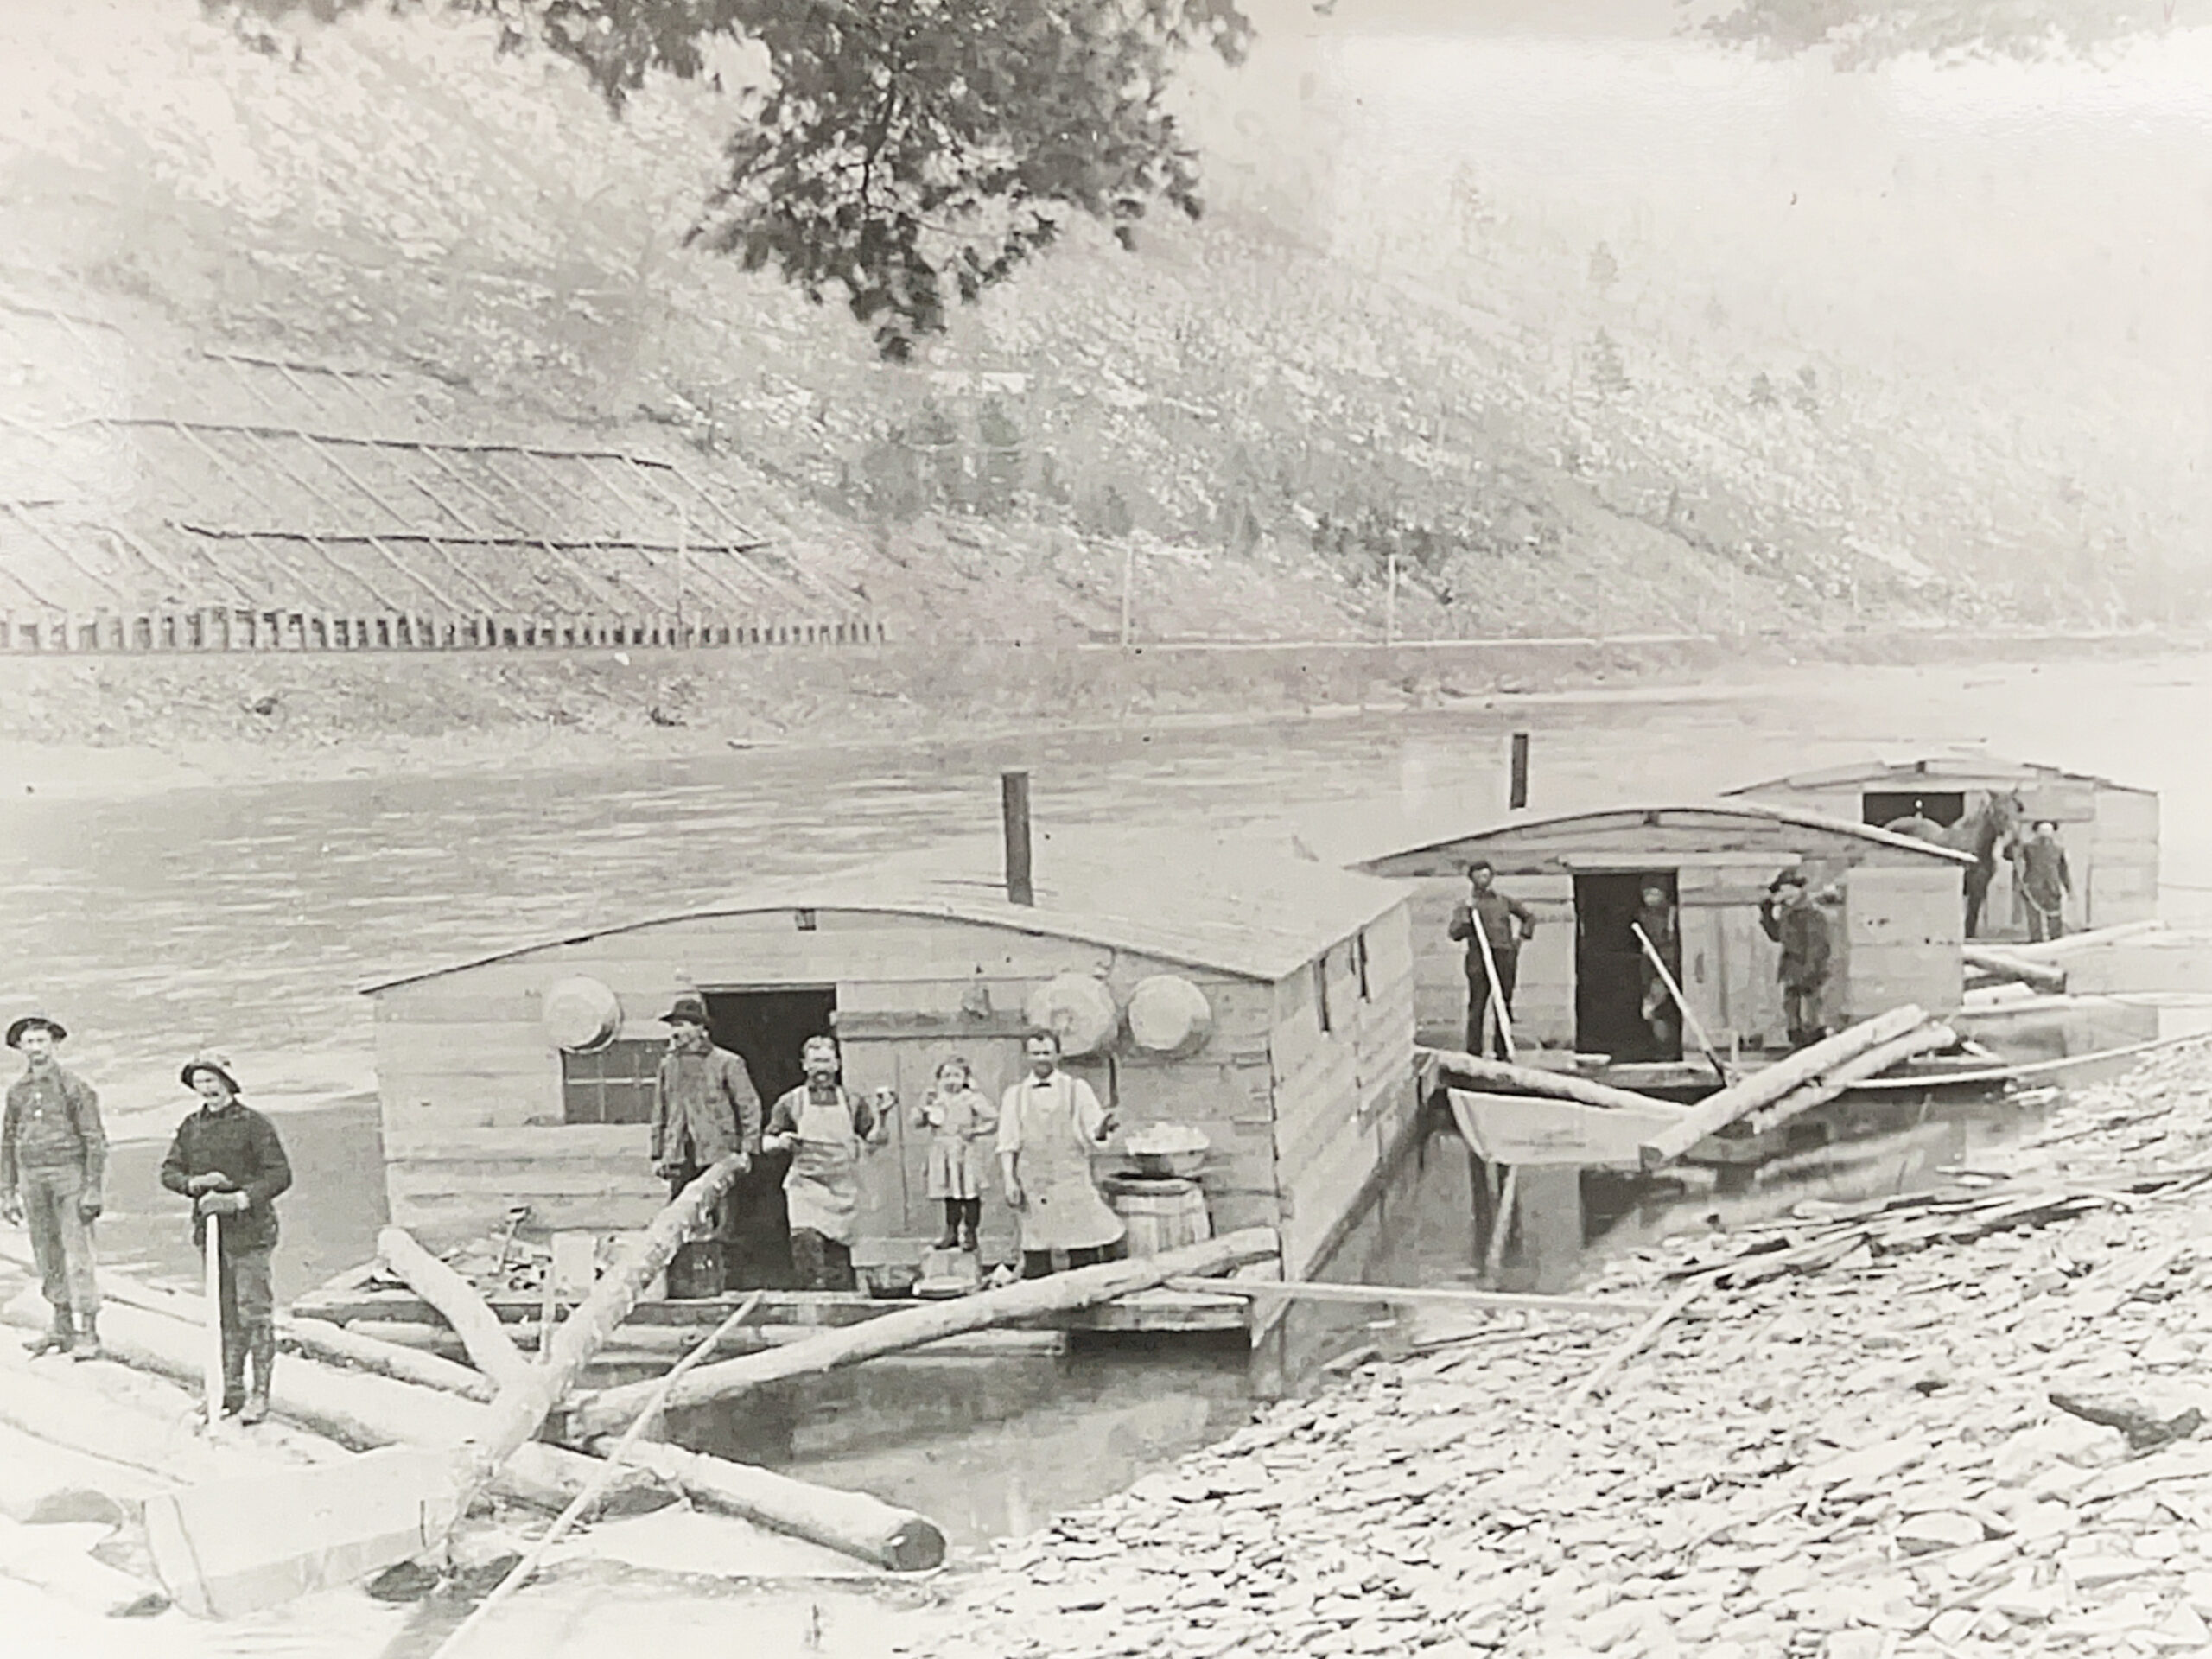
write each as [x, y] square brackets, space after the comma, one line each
[52, 1160]
[227, 1159]
[1488, 917]
[1662, 956]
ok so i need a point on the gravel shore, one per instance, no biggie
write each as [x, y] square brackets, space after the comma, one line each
[1845, 1445]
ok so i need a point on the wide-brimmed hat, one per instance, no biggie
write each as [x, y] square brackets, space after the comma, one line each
[209, 1060]
[34, 1021]
[691, 1008]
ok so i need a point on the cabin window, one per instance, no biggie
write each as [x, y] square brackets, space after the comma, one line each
[1321, 990]
[613, 1084]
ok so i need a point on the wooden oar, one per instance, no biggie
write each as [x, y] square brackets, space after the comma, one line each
[214, 1390]
[1496, 994]
[519, 1573]
[1681, 1002]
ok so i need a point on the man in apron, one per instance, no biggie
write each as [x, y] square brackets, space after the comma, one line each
[825, 1127]
[1049, 1125]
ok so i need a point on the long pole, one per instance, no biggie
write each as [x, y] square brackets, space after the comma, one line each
[563, 1524]
[1496, 995]
[214, 1379]
[1697, 1028]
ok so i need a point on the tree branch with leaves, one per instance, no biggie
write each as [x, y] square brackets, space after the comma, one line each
[906, 152]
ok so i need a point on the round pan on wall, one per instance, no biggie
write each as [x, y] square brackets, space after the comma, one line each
[1079, 1009]
[1168, 1015]
[580, 1014]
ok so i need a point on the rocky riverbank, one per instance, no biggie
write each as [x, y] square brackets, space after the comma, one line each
[1846, 1445]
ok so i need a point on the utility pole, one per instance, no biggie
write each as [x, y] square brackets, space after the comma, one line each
[1129, 585]
[1390, 605]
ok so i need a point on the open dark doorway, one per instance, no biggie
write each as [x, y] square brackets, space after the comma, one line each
[1608, 969]
[767, 1029]
[1881, 806]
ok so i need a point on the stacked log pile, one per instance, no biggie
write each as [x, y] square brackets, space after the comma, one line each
[1879, 1433]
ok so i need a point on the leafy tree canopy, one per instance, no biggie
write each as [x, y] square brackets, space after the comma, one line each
[906, 151]
[1864, 33]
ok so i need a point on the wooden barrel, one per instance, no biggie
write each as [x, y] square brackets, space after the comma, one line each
[1161, 1212]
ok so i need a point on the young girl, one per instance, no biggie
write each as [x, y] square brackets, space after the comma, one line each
[962, 1122]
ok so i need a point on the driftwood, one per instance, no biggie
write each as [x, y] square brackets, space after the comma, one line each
[1928, 1039]
[611, 1408]
[50, 1559]
[852, 1522]
[1763, 1087]
[490, 1348]
[2004, 964]
[1531, 1080]
[1637, 1341]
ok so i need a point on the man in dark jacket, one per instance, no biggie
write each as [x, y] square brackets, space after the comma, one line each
[1794, 921]
[1504, 923]
[2046, 882]
[52, 1160]
[227, 1159]
[705, 1109]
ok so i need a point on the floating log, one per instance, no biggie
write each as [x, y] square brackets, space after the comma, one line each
[523, 1405]
[1532, 1080]
[56, 1563]
[1928, 1039]
[653, 1345]
[490, 1348]
[611, 1408]
[1308, 1290]
[1763, 1088]
[2003, 964]
[2067, 943]
[354, 1408]
[66, 1414]
[851, 1523]
[314, 1338]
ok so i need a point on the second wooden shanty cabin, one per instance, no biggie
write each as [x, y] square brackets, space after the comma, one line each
[1895, 907]
[1264, 1001]
[2110, 830]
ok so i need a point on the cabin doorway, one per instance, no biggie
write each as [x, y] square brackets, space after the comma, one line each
[767, 1030]
[1885, 806]
[1608, 972]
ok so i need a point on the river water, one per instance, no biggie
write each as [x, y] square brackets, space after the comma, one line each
[247, 917]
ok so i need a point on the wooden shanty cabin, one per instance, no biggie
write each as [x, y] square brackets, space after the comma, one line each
[2110, 830]
[1294, 1057]
[1895, 905]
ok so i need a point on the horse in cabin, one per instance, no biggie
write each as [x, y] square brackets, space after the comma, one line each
[1993, 829]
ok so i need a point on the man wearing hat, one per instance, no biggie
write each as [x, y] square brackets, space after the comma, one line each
[1505, 924]
[227, 1159]
[705, 1109]
[1793, 921]
[52, 1160]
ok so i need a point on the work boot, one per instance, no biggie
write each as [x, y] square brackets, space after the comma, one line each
[233, 1374]
[265, 1357]
[55, 1341]
[949, 1238]
[87, 1343]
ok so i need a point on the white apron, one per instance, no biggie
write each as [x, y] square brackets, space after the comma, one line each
[821, 1190]
[1062, 1209]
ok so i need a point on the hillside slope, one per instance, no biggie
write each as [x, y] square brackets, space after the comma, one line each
[1243, 421]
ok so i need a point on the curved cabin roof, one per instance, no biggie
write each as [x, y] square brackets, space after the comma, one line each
[1752, 827]
[1192, 900]
[1957, 768]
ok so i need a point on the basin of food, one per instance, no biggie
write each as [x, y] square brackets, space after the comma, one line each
[1167, 1149]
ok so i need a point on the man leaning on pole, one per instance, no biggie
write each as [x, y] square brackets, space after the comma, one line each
[227, 1159]
[53, 1160]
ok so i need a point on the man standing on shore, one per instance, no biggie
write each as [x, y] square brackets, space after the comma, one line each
[1794, 921]
[53, 1160]
[705, 1109]
[2045, 881]
[227, 1159]
[1505, 924]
